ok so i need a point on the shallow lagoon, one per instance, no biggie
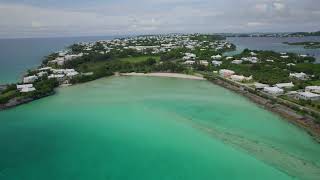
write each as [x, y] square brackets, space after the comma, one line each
[151, 128]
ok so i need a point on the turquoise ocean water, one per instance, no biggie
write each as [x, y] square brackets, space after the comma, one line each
[151, 128]
[143, 128]
[18, 55]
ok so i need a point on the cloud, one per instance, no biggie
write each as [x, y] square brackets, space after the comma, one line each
[97, 17]
[278, 6]
[255, 24]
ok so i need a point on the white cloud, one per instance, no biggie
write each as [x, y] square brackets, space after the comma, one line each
[158, 16]
[256, 24]
[262, 8]
[278, 6]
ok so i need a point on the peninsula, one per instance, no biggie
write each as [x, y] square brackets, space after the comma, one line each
[306, 45]
[285, 83]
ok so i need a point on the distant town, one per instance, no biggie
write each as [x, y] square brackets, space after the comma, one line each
[291, 78]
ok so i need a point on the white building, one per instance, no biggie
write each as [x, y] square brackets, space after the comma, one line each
[250, 59]
[72, 74]
[273, 90]
[217, 57]
[29, 79]
[226, 73]
[300, 76]
[285, 85]
[59, 77]
[240, 78]
[24, 88]
[313, 89]
[260, 85]
[189, 62]
[236, 61]
[216, 63]
[303, 55]
[42, 73]
[253, 53]
[19, 87]
[188, 56]
[204, 62]
[229, 58]
[308, 96]
[291, 64]
[45, 69]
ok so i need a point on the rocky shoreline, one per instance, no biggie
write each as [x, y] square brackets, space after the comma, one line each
[303, 121]
[19, 101]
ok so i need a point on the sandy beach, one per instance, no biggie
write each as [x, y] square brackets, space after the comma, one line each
[171, 75]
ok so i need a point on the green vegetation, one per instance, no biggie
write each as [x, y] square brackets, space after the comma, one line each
[317, 33]
[44, 87]
[6, 96]
[207, 37]
[139, 58]
[307, 45]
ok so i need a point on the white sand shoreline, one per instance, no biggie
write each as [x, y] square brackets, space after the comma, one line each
[170, 75]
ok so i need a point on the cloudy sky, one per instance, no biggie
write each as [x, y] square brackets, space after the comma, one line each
[49, 18]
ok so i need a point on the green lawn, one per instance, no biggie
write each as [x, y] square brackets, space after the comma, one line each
[315, 83]
[139, 58]
[93, 66]
[8, 95]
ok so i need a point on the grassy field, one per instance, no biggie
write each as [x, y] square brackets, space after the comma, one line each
[139, 58]
[92, 66]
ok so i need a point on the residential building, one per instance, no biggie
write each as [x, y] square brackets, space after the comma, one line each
[260, 85]
[300, 76]
[313, 89]
[30, 79]
[308, 96]
[285, 85]
[216, 63]
[240, 78]
[273, 90]
[226, 73]
[236, 61]
[189, 62]
[204, 62]
[216, 57]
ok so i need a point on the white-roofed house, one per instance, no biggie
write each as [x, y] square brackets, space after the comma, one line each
[229, 58]
[24, 88]
[308, 96]
[30, 79]
[42, 73]
[273, 90]
[236, 61]
[217, 57]
[260, 85]
[21, 86]
[72, 74]
[300, 76]
[226, 73]
[216, 63]
[240, 78]
[204, 62]
[189, 62]
[59, 77]
[313, 89]
[285, 85]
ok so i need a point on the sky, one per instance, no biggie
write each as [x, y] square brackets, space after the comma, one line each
[59, 18]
